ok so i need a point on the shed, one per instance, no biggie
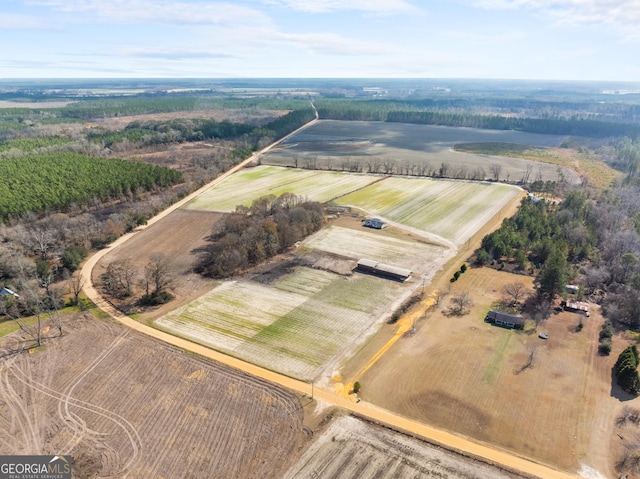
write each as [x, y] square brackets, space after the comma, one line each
[8, 292]
[375, 223]
[576, 306]
[383, 270]
[510, 321]
[572, 289]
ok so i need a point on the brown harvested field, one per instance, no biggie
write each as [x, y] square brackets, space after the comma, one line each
[178, 236]
[355, 448]
[466, 376]
[125, 405]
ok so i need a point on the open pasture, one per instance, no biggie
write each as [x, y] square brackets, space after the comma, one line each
[454, 210]
[294, 325]
[125, 405]
[333, 144]
[252, 183]
[470, 377]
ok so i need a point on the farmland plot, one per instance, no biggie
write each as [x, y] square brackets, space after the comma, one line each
[454, 210]
[294, 325]
[250, 184]
[333, 144]
[125, 405]
[416, 256]
[354, 448]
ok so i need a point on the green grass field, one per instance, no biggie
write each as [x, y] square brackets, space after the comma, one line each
[294, 325]
[250, 184]
[454, 210]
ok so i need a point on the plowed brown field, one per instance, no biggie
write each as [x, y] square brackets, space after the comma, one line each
[125, 405]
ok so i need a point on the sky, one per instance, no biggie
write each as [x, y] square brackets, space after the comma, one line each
[510, 39]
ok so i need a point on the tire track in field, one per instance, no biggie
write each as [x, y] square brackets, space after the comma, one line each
[22, 426]
[75, 422]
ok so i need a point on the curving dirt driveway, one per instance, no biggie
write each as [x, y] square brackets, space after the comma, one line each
[366, 410]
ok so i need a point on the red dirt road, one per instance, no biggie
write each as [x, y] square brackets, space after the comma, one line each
[366, 410]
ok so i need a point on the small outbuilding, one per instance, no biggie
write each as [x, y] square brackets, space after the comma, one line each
[572, 289]
[8, 292]
[370, 266]
[505, 320]
[576, 306]
[375, 223]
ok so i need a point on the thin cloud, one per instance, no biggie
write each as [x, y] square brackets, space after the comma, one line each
[331, 44]
[173, 54]
[166, 11]
[14, 21]
[623, 13]
[379, 7]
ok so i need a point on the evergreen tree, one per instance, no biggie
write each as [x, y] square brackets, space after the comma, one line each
[627, 370]
[553, 275]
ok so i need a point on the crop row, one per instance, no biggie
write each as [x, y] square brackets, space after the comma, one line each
[250, 184]
[441, 207]
[289, 329]
[372, 245]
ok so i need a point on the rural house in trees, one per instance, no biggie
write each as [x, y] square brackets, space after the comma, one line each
[7, 292]
[510, 321]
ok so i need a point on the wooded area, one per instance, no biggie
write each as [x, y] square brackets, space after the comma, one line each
[251, 235]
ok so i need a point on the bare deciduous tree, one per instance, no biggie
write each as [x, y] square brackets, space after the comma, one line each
[76, 283]
[118, 278]
[531, 349]
[158, 275]
[461, 304]
[514, 292]
[496, 169]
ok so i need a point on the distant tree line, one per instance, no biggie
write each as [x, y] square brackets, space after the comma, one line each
[424, 112]
[250, 235]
